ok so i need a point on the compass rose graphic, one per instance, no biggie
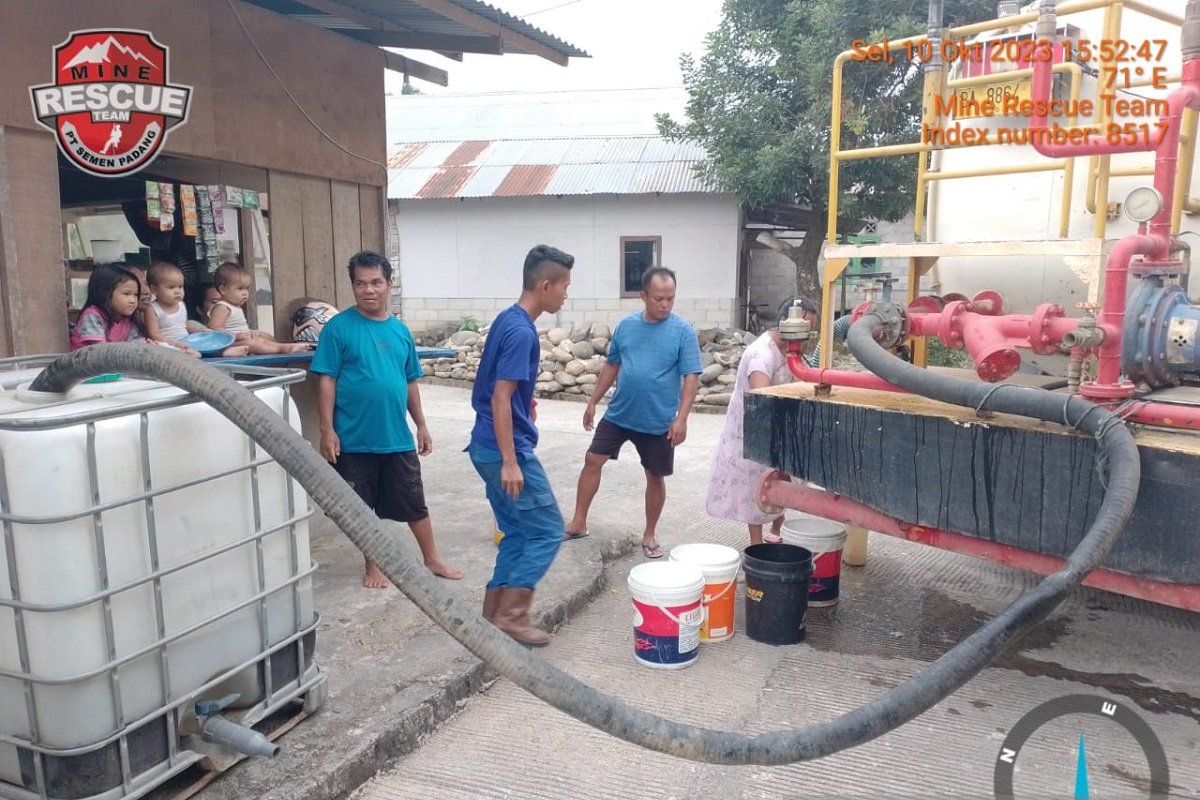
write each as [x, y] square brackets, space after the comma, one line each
[1112, 712]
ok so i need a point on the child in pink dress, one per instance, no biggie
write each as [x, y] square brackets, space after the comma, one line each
[733, 480]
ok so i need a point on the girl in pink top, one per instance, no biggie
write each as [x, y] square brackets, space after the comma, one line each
[112, 303]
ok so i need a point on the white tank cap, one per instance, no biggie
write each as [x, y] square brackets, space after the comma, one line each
[27, 395]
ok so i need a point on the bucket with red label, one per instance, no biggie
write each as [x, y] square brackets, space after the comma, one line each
[824, 538]
[667, 613]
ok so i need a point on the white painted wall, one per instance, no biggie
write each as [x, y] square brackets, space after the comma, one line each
[463, 257]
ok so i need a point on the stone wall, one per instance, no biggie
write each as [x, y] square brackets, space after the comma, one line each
[574, 355]
[431, 314]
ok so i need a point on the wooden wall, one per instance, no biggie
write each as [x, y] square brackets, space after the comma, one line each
[239, 112]
[316, 225]
[33, 314]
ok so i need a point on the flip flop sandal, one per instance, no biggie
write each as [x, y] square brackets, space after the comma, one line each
[652, 551]
[569, 536]
[772, 538]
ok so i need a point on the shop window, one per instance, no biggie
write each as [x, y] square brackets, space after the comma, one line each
[638, 254]
[111, 221]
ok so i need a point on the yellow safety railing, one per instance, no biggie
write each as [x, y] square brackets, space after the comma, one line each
[1099, 167]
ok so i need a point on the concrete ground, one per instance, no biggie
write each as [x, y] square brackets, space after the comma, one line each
[396, 679]
[908, 605]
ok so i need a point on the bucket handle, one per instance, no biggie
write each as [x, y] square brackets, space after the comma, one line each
[667, 613]
[722, 593]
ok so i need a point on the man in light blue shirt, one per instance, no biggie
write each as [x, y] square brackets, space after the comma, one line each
[654, 357]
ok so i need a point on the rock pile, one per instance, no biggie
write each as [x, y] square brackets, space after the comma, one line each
[573, 356]
[571, 360]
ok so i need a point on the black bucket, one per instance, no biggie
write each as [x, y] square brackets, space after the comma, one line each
[777, 577]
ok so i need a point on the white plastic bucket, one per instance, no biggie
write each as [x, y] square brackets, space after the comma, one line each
[720, 565]
[667, 613]
[824, 538]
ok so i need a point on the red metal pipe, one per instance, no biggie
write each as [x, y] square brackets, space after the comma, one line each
[995, 358]
[992, 341]
[1186, 96]
[1108, 385]
[777, 491]
[837, 377]
[1166, 415]
[1039, 129]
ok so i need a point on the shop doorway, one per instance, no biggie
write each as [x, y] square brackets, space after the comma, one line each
[179, 211]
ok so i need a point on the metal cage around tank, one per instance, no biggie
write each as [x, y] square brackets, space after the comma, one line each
[144, 749]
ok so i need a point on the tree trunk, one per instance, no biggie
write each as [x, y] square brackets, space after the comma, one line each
[806, 257]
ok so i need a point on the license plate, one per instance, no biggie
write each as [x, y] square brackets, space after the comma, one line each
[970, 101]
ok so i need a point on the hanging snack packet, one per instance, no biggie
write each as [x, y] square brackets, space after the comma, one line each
[218, 208]
[203, 204]
[187, 199]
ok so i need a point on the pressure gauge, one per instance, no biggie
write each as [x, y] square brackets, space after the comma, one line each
[1143, 204]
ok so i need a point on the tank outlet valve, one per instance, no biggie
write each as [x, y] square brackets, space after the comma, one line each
[239, 738]
[890, 332]
[248, 741]
[1086, 335]
[796, 328]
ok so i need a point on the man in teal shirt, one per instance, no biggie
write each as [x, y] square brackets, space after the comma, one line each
[368, 368]
[654, 358]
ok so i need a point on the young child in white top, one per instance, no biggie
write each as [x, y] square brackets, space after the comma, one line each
[228, 313]
[147, 319]
[166, 320]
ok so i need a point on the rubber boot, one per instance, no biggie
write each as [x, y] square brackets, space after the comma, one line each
[512, 617]
[491, 602]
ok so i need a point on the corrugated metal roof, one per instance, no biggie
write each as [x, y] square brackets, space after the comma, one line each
[402, 155]
[530, 167]
[517, 24]
[414, 17]
[525, 180]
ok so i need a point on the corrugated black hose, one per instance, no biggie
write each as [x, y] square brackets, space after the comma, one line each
[547, 682]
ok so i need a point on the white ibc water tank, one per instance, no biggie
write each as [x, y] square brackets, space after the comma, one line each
[152, 556]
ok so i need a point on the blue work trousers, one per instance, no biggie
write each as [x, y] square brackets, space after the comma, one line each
[532, 524]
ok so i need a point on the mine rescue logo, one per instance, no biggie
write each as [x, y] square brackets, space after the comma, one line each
[110, 106]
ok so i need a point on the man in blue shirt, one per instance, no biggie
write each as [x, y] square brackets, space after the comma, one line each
[368, 368]
[657, 358]
[502, 444]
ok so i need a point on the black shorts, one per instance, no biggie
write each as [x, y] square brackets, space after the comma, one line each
[655, 450]
[390, 483]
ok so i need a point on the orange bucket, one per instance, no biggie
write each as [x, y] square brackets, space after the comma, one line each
[720, 565]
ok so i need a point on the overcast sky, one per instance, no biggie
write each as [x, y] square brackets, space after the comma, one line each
[633, 44]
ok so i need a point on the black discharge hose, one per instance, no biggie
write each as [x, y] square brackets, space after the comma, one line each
[567, 694]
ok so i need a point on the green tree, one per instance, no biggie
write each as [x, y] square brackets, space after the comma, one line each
[760, 102]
